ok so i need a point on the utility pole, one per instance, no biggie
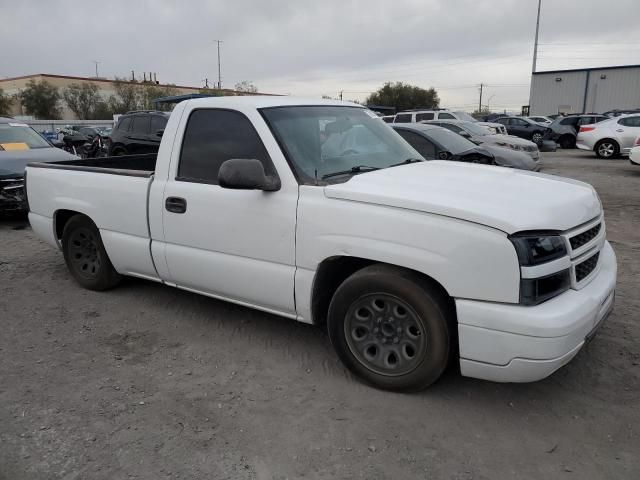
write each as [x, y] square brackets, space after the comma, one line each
[206, 83]
[535, 55]
[341, 92]
[535, 43]
[96, 62]
[480, 104]
[219, 74]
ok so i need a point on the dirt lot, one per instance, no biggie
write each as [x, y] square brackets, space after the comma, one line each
[150, 382]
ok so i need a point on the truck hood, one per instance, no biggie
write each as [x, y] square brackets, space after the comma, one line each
[502, 198]
[13, 162]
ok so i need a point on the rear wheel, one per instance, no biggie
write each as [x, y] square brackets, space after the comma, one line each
[391, 328]
[85, 255]
[536, 137]
[607, 148]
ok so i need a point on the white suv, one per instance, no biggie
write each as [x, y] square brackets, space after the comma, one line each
[416, 116]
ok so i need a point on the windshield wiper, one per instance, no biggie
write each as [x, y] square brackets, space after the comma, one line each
[356, 169]
[406, 162]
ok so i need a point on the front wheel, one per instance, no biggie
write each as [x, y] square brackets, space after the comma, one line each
[607, 149]
[85, 256]
[391, 328]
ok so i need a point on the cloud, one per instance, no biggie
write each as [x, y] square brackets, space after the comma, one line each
[313, 48]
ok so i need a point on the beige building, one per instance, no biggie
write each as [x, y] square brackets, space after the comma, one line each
[12, 86]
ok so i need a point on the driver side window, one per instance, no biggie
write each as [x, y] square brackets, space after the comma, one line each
[421, 144]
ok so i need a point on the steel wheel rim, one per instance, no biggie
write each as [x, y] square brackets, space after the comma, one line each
[385, 334]
[606, 150]
[84, 253]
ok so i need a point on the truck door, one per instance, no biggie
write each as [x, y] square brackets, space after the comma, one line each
[235, 244]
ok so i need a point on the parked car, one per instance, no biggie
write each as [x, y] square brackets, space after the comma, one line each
[434, 142]
[610, 138]
[541, 120]
[524, 128]
[564, 130]
[407, 263]
[482, 136]
[634, 154]
[415, 116]
[388, 118]
[19, 145]
[137, 133]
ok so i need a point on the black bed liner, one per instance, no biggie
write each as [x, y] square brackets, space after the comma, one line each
[130, 165]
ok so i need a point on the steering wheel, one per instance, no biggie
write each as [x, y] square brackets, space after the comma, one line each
[350, 151]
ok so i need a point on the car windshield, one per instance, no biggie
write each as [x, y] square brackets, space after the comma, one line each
[321, 140]
[20, 136]
[465, 116]
[451, 142]
[475, 128]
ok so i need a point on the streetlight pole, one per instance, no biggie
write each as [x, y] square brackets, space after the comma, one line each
[96, 62]
[535, 43]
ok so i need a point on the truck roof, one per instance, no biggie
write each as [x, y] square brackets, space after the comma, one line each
[260, 101]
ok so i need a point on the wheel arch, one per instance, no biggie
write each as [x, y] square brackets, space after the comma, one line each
[333, 271]
[60, 219]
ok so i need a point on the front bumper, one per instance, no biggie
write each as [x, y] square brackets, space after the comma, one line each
[12, 196]
[514, 343]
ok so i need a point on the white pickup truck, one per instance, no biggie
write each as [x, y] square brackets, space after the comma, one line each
[318, 211]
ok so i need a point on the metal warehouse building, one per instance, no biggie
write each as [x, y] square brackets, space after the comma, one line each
[585, 90]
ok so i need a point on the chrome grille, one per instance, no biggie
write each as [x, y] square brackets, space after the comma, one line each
[583, 269]
[585, 237]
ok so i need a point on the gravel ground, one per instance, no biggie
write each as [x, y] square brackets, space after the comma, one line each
[150, 382]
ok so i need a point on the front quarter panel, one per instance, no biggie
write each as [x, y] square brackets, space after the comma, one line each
[469, 260]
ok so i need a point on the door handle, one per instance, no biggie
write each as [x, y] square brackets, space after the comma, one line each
[620, 130]
[175, 204]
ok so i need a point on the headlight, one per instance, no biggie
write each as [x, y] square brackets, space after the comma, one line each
[533, 250]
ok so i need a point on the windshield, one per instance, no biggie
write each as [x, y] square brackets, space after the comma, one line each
[451, 142]
[20, 136]
[322, 140]
[476, 129]
[465, 116]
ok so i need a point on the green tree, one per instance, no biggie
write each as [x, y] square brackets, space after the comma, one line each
[150, 91]
[5, 103]
[41, 99]
[403, 96]
[82, 99]
[102, 111]
[246, 86]
[127, 96]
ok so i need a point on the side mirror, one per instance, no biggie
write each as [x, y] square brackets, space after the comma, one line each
[159, 133]
[246, 174]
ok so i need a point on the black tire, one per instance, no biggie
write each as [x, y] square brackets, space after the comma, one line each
[567, 141]
[607, 148]
[85, 255]
[420, 338]
[119, 151]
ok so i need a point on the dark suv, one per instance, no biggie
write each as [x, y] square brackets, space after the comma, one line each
[138, 132]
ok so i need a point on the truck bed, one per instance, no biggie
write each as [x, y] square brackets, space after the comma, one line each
[131, 165]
